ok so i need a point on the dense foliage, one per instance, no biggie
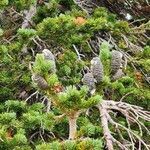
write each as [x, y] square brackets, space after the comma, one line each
[45, 101]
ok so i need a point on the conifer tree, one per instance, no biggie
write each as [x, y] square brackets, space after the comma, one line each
[74, 74]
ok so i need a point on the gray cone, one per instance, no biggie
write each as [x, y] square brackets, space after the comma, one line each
[116, 61]
[97, 69]
[89, 81]
[40, 81]
[50, 57]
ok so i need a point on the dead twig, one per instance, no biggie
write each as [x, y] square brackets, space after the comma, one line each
[35, 93]
[133, 114]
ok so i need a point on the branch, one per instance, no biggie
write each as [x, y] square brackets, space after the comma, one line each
[77, 52]
[36, 92]
[58, 118]
[29, 14]
[106, 131]
[132, 114]
[79, 3]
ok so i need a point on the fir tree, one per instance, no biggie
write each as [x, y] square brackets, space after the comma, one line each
[73, 72]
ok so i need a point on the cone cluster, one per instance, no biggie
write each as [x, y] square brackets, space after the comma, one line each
[95, 75]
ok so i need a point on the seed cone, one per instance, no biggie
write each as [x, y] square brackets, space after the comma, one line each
[97, 69]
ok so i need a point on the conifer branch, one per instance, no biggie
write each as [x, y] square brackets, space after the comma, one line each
[132, 114]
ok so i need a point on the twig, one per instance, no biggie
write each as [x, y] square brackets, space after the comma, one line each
[123, 97]
[41, 136]
[48, 105]
[78, 54]
[60, 117]
[31, 95]
[34, 40]
[32, 136]
[128, 130]
[89, 44]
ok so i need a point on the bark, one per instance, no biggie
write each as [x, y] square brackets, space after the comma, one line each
[73, 125]
[106, 131]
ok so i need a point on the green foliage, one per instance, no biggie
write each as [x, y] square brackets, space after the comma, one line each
[146, 52]
[15, 105]
[49, 10]
[53, 146]
[52, 80]
[105, 51]
[73, 99]
[3, 49]
[61, 127]
[106, 81]
[69, 145]
[36, 107]
[66, 70]
[105, 56]
[87, 144]
[127, 81]
[15, 47]
[41, 66]
[45, 69]
[100, 12]
[71, 33]
[25, 34]
[69, 68]
[19, 139]
[30, 118]
[90, 130]
[3, 3]
[22, 4]
[13, 74]
[90, 144]
[103, 12]
[144, 63]
[33, 120]
[121, 27]
[92, 101]
[23, 147]
[43, 146]
[6, 118]
[25, 79]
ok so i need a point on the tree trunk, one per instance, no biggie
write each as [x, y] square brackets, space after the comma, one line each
[72, 125]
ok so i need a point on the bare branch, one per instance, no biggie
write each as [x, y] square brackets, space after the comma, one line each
[106, 131]
[31, 95]
[28, 16]
[132, 114]
[77, 52]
